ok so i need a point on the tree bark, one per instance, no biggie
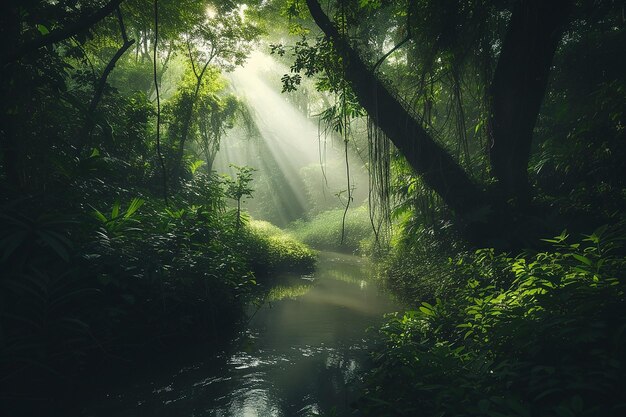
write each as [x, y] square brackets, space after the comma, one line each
[518, 88]
[429, 159]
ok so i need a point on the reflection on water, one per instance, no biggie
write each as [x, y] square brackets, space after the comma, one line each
[302, 355]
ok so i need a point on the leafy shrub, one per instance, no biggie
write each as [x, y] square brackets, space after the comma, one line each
[324, 230]
[542, 337]
[417, 265]
[278, 249]
[110, 275]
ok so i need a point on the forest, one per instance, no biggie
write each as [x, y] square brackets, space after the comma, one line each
[293, 208]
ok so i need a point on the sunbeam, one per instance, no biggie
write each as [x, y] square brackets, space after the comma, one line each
[288, 146]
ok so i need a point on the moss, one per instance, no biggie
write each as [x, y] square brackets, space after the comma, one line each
[277, 250]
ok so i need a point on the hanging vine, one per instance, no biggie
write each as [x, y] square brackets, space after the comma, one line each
[158, 100]
[345, 133]
[379, 183]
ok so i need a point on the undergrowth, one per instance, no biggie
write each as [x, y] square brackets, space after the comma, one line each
[106, 275]
[323, 231]
[274, 249]
[416, 265]
[539, 334]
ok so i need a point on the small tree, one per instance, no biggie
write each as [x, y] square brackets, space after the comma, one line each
[239, 187]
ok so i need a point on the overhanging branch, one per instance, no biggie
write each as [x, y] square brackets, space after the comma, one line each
[58, 35]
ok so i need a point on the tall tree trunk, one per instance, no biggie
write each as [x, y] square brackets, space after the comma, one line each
[517, 91]
[518, 87]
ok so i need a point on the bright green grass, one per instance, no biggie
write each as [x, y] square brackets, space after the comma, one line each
[324, 230]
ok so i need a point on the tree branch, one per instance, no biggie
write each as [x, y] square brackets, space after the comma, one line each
[399, 45]
[58, 35]
[394, 49]
[99, 89]
[105, 74]
[193, 65]
[120, 19]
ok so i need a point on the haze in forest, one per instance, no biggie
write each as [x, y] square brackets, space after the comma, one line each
[204, 204]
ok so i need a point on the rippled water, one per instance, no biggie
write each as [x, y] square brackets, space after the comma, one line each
[302, 355]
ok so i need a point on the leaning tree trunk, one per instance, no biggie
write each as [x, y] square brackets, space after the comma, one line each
[488, 216]
[429, 159]
[85, 133]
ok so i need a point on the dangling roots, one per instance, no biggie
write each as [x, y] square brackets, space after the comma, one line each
[379, 179]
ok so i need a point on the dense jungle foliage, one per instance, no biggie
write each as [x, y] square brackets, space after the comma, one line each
[490, 135]
[117, 240]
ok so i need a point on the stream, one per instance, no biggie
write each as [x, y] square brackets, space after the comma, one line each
[302, 354]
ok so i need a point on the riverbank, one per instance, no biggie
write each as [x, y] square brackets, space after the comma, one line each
[488, 334]
[87, 290]
[303, 354]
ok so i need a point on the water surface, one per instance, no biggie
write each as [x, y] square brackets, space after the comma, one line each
[303, 354]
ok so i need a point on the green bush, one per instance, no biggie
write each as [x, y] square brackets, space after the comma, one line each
[543, 336]
[276, 249]
[102, 274]
[324, 230]
[417, 265]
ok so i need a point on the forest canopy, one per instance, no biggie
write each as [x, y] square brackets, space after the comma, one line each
[458, 87]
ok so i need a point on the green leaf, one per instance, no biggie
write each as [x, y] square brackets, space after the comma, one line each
[99, 216]
[426, 311]
[601, 230]
[582, 259]
[115, 211]
[42, 29]
[135, 204]
[193, 167]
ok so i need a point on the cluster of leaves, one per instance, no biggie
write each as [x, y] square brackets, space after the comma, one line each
[114, 276]
[538, 334]
[416, 266]
[239, 187]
